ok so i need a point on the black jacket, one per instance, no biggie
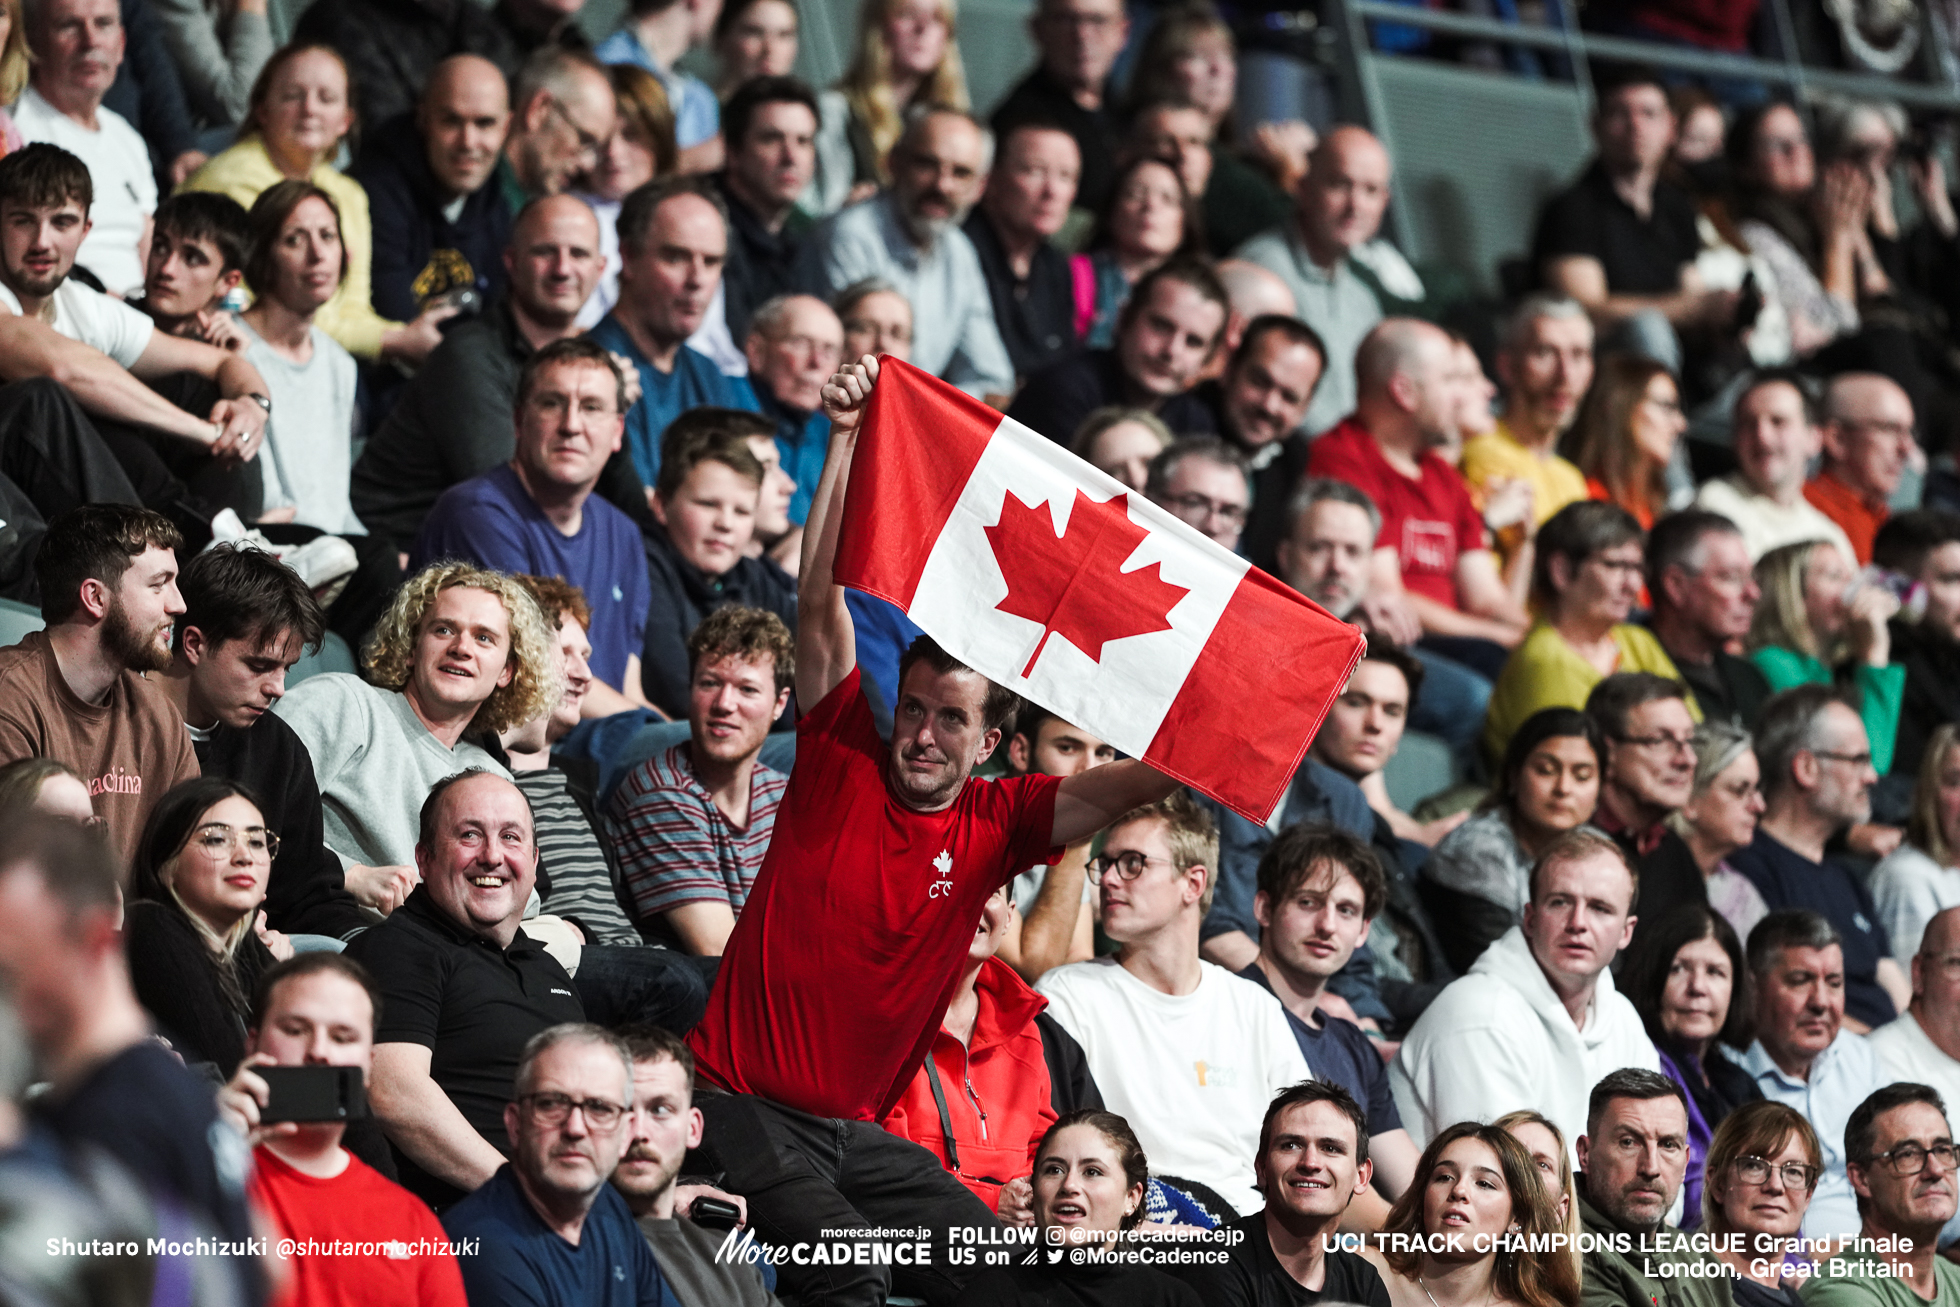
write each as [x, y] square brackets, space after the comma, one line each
[417, 251]
[1071, 1085]
[1932, 690]
[177, 981]
[149, 93]
[1057, 398]
[759, 261]
[1036, 316]
[682, 596]
[307, 892]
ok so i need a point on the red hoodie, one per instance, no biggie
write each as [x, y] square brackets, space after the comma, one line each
[997, 1092]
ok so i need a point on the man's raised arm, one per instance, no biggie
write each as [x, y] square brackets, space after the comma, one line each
[1090, 800]
[826, 643]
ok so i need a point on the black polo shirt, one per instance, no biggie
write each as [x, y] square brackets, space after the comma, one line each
[1642, 256]
[1040, 98]
[1787, 879]
[1036, 313]
[472, 1004]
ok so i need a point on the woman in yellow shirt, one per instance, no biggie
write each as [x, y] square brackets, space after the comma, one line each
[299, 114]
[1584, 583]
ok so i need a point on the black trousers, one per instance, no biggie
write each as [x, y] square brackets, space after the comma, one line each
[803, 1175]
[53, 460]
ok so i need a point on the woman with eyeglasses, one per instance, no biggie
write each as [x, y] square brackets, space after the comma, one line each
[1686, 979]
[1720, 817]
[194, 932]
[1819, 623]
[1479, 877]
[1763, 1165]
[1585, 581]
[1089, 1179]
[1921, 878]
[877, 319]
[1625, 433]
[1480, 1184]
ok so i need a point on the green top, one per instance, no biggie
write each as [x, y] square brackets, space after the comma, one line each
[1866, 1285]
[1880, 691]
[1615, 1279]
[1546, 672]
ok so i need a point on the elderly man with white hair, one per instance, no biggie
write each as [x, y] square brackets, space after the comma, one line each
[795, 342]
[910, 235]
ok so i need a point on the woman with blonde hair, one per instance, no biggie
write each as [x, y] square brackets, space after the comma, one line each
[1483, 1182]
[301, 111]
[1121, 442]
[1763, 1166]
[907, 57]
[1625, 434]
[1819, 624]
[1546, 1144]
[1921, 878]
[13, 71]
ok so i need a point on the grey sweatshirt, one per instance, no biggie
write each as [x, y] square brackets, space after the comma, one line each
[375, 762]
[217, 58]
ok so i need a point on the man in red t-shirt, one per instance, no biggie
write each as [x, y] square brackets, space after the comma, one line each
[1434, 578]
[852, 941]
[318, 1009]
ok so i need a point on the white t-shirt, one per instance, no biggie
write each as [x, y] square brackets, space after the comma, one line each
[119, 169]
[1192, 1073]
[99, 321]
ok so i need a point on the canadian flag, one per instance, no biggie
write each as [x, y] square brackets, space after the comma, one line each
[1051, 578]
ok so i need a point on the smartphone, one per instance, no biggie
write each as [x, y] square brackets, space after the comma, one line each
[714, 1214]
[313, 1093]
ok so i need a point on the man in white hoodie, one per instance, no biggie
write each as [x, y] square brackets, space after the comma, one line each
[1537, 1021]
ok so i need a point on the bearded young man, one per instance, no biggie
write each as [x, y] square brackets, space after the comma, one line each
[76, 692]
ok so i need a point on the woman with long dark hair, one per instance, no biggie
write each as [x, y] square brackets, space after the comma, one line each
[1479, 877]
[1685, 977]
[1151, 218]
[1477, 1183]
[193, 930]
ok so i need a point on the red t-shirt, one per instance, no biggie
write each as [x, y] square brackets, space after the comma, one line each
[1429, 522]
[360, 1205]
[852, 940]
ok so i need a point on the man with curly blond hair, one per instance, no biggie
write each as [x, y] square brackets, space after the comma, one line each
[461, 654]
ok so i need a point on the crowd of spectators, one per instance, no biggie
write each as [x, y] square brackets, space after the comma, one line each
[639, 890]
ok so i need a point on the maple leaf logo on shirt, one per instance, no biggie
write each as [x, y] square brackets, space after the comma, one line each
[1073, 584]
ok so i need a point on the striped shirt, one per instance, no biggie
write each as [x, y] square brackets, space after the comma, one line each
[568, 847]
[676, 847]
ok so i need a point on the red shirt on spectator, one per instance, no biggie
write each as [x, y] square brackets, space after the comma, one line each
[851, 942]
[360, 1205]
[1428, 522]
[1858, 516]
[999, 1101]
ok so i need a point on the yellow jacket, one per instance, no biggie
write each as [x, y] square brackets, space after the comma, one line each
[245, 171]
[1546, 672]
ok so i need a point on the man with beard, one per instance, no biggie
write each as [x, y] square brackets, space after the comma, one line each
[1902, 1169]
[1259, 403]
[76, 692]
[662, 1123]
[546, 1230]
[673, 242]
[910, 236]
[1633, 1159]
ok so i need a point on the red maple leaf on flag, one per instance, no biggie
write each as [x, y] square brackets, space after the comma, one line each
[1073, 584]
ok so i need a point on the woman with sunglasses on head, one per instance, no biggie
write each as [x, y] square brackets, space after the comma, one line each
[1763, 1166]
[1720, 817]
[194, 931]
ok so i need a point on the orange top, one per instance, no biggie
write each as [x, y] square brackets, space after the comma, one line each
[1848, 509]
[1641, 512]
